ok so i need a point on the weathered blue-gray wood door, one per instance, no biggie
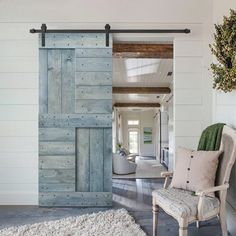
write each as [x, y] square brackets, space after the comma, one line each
[75, 106]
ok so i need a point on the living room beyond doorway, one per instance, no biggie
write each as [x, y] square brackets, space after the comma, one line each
[142, 108]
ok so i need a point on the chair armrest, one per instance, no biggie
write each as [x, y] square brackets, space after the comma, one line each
[167, 174]
[213, 189]
[202, 195]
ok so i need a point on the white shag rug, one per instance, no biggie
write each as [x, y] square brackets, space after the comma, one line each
[104, 223]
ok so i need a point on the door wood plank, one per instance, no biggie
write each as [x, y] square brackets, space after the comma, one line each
[75, 40]
[93, 92]
[48, 187]
[56, 134]
[43, 81]
[73, 199]
[93, 64]
[93, 78]
[68, 81]
[83, 160]
[107, 160]
[93, 106]
[93, 52]
[57, 176]
[57, 162]
[56, 148]
[75, 120]
[96, 160]
[54, 81]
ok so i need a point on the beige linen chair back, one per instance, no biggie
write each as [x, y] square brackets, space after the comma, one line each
[227, 159]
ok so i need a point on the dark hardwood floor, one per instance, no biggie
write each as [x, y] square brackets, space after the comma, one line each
[134, 195]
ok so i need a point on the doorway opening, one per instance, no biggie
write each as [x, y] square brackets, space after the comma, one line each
[133, 140]
[143, 105]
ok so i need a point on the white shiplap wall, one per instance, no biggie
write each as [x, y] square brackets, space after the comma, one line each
[191, 100]
[18, 115]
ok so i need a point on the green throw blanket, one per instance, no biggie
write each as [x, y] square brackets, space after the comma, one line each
[211, 138]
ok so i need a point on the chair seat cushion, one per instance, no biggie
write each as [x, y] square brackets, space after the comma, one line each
[183, 203]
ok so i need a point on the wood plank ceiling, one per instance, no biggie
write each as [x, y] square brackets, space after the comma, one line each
[142, 74]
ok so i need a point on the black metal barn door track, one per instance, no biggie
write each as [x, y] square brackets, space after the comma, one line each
[107, 30]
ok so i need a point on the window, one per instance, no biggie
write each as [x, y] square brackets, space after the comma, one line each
[133, 141]
[133, 122]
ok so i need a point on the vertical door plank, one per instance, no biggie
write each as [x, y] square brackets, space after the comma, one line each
[68, 81]
[82, 160]
[43, 81]
[107, 160]
[54, 81]
[96, 160]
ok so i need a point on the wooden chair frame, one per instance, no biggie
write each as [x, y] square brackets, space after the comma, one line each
[221, 189]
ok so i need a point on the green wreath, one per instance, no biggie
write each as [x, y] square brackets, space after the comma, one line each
[224, 48]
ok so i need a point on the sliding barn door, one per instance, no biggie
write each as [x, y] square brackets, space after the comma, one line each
[75, 107]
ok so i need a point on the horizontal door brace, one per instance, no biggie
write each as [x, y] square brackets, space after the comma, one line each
[107, 30]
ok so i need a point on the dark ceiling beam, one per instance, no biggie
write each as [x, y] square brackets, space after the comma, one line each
[136, 104]
[126, 50]
[141, 90]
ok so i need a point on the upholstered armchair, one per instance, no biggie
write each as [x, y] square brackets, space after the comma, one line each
[187, 207]
[122, 166]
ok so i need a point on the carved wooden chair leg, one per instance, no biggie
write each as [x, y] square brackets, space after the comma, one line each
[223, 222]
[155, 209]
[183, 227]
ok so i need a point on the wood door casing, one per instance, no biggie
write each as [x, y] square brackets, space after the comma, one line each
[75, 107]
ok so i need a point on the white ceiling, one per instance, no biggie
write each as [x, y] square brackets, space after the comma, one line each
[141, 72]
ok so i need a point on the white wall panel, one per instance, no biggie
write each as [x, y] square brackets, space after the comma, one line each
[19, 160]
[18, 80]
[18, 96]
[18, 144]
[18, 112]
[167, 11]
[19, 64]
[226, 98]
[18, 48]
[188, 64]
[187, 48]
[188, 96]
[21, 175]
[17, 31]
[226, 114]
[19, 197]
[192, 92]
[188, 112]
[188, 128]
[18, 128]
[19, 187]
[188, 80]
[187, 142]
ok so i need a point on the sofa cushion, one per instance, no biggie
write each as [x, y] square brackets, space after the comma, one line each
[195, 170]
[183, 203]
